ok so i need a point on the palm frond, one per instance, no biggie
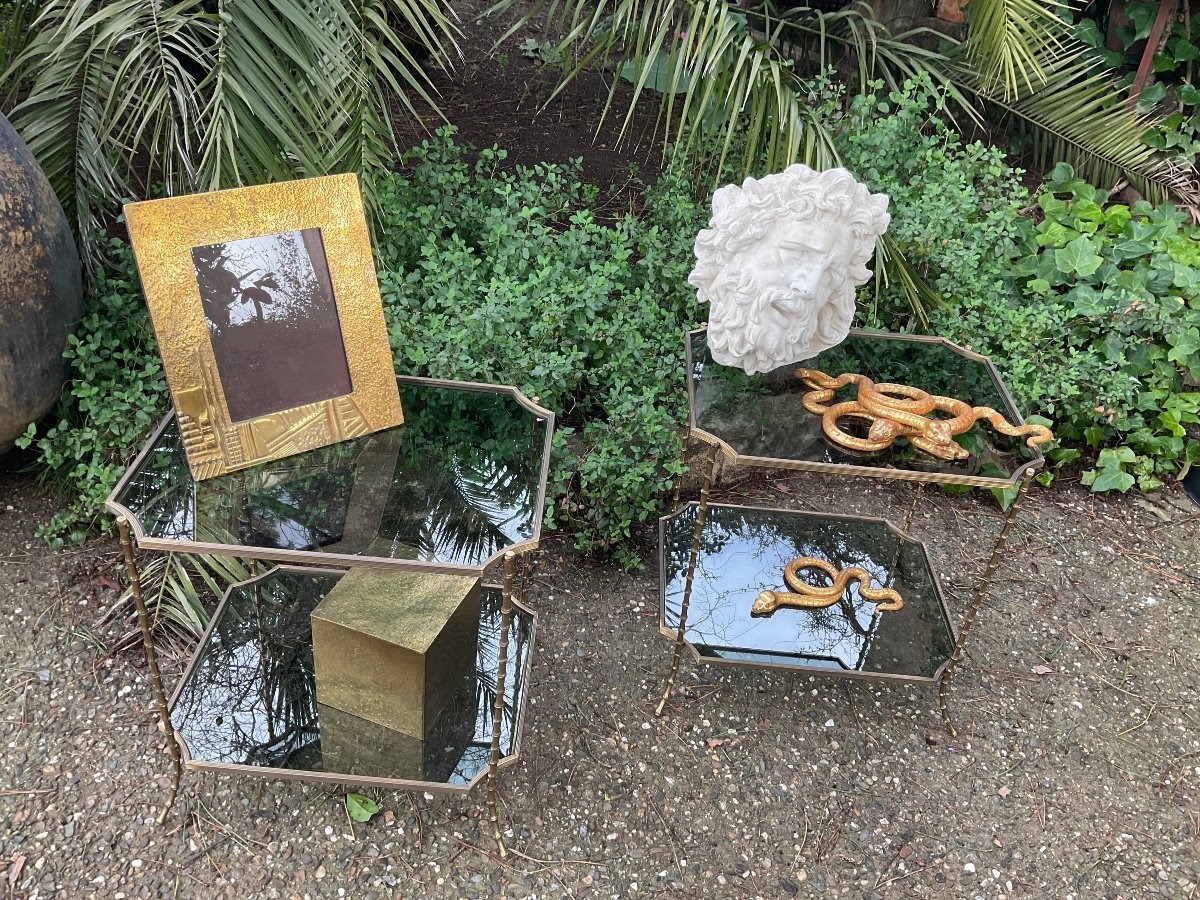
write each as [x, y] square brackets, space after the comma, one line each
[127, 94]
[891, 266]
[174, 588]
[1012, 42]
[15, 36]
[63, 118]
[1079, 116]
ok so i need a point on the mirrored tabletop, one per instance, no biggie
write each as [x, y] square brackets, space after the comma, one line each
[248, 701]
[761, 418]
[744, 550]
[459, 483]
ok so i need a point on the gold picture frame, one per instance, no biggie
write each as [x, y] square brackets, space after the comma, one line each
[268, 316]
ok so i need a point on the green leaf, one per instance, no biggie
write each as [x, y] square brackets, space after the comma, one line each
[1115, 457]
[658, 74]
[1078, 258]
[1087, 32]
[360, 808]
[1141, 15]
[1189, 94]
[1108, 479]
[1131, 249]
[1185, 348]
[1184, 50]
[1006, 496]
[1064, 455]
[1151, 96]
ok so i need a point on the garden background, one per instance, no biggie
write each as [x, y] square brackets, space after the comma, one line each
[515, 264]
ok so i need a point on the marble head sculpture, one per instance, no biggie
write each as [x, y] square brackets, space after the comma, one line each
[779, 263]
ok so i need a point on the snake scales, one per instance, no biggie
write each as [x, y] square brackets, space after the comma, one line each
[897, 410]
[808, 596]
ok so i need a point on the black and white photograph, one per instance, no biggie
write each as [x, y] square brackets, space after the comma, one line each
[273, 322]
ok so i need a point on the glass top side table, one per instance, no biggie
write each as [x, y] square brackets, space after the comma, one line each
[248, 701]
[743, 548]
[459, 486]
[462, 481]
[762, 420]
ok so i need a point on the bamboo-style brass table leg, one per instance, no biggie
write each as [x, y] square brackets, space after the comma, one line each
[981, 591]
[683, 458]
[693, 560]
[912, 510]
[529, 561]
[160, 696]
[498, 710]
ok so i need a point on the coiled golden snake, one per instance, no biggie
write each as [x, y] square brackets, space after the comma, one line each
[808, 596]
[897, 410]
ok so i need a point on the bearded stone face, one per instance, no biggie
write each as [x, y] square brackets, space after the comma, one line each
[780, 263]
[781, 301]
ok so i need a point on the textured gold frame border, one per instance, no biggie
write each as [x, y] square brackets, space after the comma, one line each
[163, 233]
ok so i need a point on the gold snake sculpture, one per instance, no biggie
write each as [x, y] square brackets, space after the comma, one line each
[808, 596]
[897, 410]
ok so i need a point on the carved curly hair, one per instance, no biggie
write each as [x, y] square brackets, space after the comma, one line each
[742, 215]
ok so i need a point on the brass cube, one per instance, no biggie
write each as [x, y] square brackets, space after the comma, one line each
[394, 647]
[354, 746]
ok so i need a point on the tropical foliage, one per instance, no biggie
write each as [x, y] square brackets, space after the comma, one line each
[127, 98]
[508, 277]
[1092, 314]
[744, 73]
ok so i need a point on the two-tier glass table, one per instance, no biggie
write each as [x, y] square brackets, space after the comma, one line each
[715, 560]
[459, 486]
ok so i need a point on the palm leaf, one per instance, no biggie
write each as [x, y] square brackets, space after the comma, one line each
[127, 94]
[1011, 43]
[1020, 59]
[18, 32]
[1078, 115]
[61, 121]
[174, 587]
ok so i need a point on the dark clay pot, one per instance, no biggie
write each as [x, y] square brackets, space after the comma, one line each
[41, 293]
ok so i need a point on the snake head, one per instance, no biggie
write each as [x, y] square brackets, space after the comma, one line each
[884, 431]
[764, 604]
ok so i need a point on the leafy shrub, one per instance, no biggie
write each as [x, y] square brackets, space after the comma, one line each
[1092, 314]
[955, 206]
[1099, 329]
[1126, 283]
[499, 276]
[116, 391]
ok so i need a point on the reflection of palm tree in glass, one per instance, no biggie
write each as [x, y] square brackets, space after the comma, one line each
[466, 483]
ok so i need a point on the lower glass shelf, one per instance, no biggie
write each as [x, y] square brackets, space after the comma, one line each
[743, 550]
[248, 700]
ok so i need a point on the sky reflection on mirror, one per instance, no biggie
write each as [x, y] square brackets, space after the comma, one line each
[744, 551]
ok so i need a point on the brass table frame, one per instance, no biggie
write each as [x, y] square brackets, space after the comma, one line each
[515, 587]
[717, 448]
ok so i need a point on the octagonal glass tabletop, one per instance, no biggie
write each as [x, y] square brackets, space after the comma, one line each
[248, 701]
[761, 419]
[744, 551]
[460, 482]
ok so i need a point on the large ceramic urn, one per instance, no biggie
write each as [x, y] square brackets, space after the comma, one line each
[41, 293]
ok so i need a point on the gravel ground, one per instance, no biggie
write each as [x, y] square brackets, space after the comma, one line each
[1075, 774]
